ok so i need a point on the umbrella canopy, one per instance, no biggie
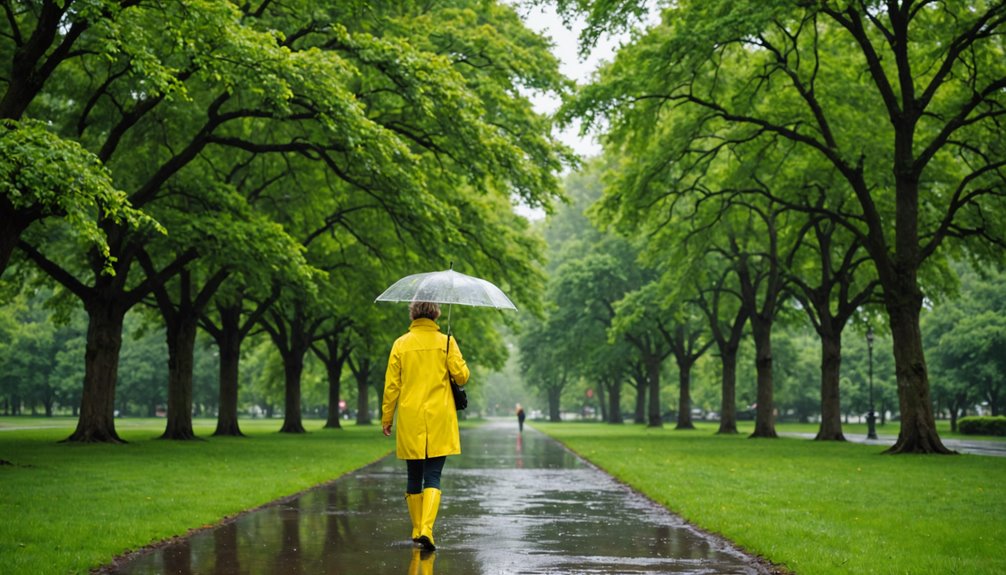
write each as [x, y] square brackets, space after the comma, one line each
[449, 287]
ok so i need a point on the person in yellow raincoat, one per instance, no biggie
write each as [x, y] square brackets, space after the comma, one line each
[416, 385]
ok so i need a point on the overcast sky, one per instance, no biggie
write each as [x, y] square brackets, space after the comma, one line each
[545, 21]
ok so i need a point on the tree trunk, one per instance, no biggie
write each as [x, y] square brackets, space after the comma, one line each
[334, 363]
[10, 232]
[363, 393]
[831, 405]
[640, 415]
[653, 375]
[918, 427]
[293, 368]
[615, 402]
[229, 345]
[765, 411]
[181, 331]
[684, 395]
[728, 401]
[101, 366]
[553, 403]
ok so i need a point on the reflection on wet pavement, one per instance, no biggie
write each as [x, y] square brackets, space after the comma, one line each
[513, 503]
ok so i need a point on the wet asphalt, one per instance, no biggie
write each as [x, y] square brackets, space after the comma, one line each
[512, 503]
[969, 446]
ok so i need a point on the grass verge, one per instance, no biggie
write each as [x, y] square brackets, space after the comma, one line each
[67, 508]
[815, 508]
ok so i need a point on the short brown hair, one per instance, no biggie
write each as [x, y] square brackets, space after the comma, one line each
[427, 309]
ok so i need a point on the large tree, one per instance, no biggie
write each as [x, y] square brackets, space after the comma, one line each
[406, 115]
[902, 99]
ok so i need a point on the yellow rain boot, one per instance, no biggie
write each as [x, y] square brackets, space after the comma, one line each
[431, 504]
[415, 503]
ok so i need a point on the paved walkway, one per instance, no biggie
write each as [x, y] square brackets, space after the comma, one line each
[512, 504]
[972, 446]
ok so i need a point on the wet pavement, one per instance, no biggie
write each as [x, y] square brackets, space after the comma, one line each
[512, 503]
[970, 446]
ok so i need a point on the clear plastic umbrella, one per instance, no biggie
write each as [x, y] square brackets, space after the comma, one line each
[449, 287]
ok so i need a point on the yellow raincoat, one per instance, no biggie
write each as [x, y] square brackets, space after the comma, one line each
[416, 383]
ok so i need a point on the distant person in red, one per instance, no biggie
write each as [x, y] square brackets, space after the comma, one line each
[520, 418]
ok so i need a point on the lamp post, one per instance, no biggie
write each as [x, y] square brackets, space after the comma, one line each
[871, 418]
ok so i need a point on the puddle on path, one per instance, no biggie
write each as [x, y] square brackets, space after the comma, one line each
[512, 503]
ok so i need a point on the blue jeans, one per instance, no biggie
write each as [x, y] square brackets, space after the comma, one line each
[424, 473]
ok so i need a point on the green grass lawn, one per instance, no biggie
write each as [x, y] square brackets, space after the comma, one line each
[815, 508]
[68, 508]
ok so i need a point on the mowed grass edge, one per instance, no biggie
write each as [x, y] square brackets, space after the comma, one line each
[68, 508]
[813, 507]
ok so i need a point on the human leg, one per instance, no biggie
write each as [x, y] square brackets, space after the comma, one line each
[414, 495]
[432, 469]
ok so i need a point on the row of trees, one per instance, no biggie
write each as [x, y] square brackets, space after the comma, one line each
[266, 167]
[41, 370]
[962, 336]
[827, 157]
[40, 359]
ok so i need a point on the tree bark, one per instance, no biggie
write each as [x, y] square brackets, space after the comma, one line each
[334, 388]
[831, 404]
[10, 233]
[292, 336]
[334, 357]
[362, 374]
[918, 426]
[728, 384]
[653, 375]
[640, 414]
[684, 396]
[229, 339]
[553, 403]
[765, 412]
[615, 402]
[181, 330]
[293, 368]
[101, 366]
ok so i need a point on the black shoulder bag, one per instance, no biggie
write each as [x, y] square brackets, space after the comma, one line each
[460, 396]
